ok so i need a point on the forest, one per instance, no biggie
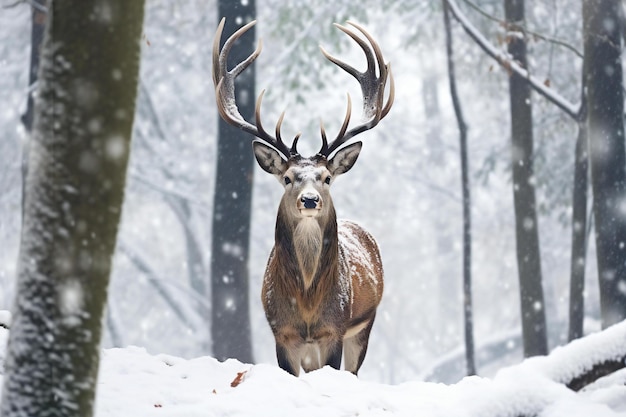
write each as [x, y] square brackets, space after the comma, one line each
[133, 215]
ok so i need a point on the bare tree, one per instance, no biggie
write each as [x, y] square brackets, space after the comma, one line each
[526, 227]
[607, 151]
[74, 190]
[578, 113]
[579, 228]
[470, 359]
[230, 321]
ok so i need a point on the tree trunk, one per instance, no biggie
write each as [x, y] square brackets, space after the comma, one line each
[579, 236]
[74, 191]
[527, 236]
[230, 331]
[38, 25]
[470, 360]
[605, 111]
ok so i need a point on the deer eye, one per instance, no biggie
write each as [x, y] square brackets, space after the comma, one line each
[287, 180]
[327, 180]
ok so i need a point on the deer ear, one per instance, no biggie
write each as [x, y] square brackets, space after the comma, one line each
[344, 159]
[269, 159]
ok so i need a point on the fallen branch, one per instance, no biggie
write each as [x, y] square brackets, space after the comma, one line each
[584, 361]
[575, 366]
[596, 372]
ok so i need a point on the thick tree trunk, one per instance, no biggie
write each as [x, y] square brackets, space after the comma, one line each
[526, 227]
[79, 153]
[605, 112]
[230, 322]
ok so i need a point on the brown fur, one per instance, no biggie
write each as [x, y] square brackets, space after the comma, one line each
[311, 311]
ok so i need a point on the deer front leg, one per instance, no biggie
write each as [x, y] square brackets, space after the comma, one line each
[288, 343]
[330, 342]
[286, 360]
[334, 355]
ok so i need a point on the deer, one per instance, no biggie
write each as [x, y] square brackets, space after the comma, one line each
[324, 277]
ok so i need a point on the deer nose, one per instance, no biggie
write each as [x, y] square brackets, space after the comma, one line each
[310, 200]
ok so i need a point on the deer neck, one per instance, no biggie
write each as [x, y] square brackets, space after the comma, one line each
[310, 245]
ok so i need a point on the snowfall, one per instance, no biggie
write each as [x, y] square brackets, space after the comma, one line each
[135, 383]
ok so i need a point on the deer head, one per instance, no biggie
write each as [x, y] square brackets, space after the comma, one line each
[306, 180]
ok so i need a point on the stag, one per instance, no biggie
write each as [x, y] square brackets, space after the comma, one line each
[324, 277]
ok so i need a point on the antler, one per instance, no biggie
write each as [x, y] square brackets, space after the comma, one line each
[224, 81]
[372, 87]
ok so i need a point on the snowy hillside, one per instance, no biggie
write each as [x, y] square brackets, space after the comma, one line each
[135, 383]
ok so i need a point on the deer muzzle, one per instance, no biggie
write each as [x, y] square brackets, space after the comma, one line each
[309, 204]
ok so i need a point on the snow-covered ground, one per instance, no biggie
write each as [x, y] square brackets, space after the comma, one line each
[135, 383]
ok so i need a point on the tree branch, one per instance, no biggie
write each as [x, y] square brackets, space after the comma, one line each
[195, 260]
[525, 30]
[111, 323]
[167, 191]
[157, 284]
[32, 3]
[596, 372]
[577, 364]
[584, 361]
[505, 60]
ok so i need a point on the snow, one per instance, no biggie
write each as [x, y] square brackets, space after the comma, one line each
[133, 382]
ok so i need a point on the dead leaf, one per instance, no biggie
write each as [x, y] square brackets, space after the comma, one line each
[238, 379]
